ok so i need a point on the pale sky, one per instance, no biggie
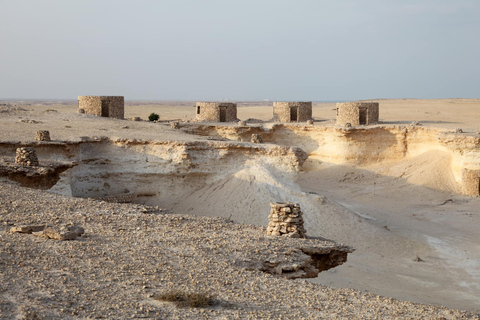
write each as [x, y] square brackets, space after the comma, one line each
[240, 49]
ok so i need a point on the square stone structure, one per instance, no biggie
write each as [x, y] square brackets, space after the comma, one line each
[216, 112]
[471, 182]
[296, 111]
[103, 106]
[357, 113]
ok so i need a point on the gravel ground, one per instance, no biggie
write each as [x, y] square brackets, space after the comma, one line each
[130, 253]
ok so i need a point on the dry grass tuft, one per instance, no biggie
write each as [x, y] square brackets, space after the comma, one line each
[185, 299]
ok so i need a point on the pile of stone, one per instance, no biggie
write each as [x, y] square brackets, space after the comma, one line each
[256, 138]
[42, 135]
[26, 157]
[286, 219]
[175, 125]
[70, 232]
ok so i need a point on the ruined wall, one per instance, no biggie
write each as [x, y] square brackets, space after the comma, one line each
[294, 111]
[471, 182]
[212, 111]
[103, 106]
[351, 112]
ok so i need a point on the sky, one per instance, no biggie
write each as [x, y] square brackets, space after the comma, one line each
[310, 50]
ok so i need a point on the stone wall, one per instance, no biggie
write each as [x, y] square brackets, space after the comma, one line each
[286, 219]
[292, 111]
[357, 113]
[216, 112]
[103, 106]
[471, 182]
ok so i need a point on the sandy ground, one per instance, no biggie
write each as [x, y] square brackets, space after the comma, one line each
[421, 244]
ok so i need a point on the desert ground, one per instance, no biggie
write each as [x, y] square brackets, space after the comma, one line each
[414, 230]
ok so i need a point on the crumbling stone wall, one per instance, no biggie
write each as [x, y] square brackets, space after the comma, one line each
[357, 113]
[471, 182]
[103, 106]
[286, 219]
[216, 112]
[295, 111]
[42, 135]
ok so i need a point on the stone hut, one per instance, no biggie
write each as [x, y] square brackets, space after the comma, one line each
[216, 112]
[471, 182]
[357, 113]
[104, 106]
[292, 111]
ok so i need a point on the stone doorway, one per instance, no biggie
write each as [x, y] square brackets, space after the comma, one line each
[223, 114]
[105, 108]
[293, 114]
[363, 115]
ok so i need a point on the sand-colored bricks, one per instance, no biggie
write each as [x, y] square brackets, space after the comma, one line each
[103, 106]
[357, 113]
[294, 111]
[216, 112]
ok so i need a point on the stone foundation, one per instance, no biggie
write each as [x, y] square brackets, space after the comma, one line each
[286, 219]
[42, 135]
[26, 157]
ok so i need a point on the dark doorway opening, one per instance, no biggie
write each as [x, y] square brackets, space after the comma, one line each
[198, 109]
[363, 116]
[105, 108]
[223, 114]
[293, 114]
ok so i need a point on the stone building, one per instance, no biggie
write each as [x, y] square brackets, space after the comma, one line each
[216, 111]
[471, 182]
[104, 106]
[292, 111]
[357, 113]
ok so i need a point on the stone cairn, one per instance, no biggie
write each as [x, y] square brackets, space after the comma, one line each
[43, 135]
[26, 157]
[285, 219]
[256, 138]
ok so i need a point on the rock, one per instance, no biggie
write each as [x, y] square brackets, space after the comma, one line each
[81, 110]
[175, 125]
[27, 228]
[242, 123]
[348, 125]
[136, 119]
[309, 121]
[61, 234]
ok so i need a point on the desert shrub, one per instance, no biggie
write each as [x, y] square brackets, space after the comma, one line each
[185, 299]
[153, 117]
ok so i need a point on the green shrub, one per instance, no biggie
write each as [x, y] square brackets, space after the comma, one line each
[185, 299]
[153, 117]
